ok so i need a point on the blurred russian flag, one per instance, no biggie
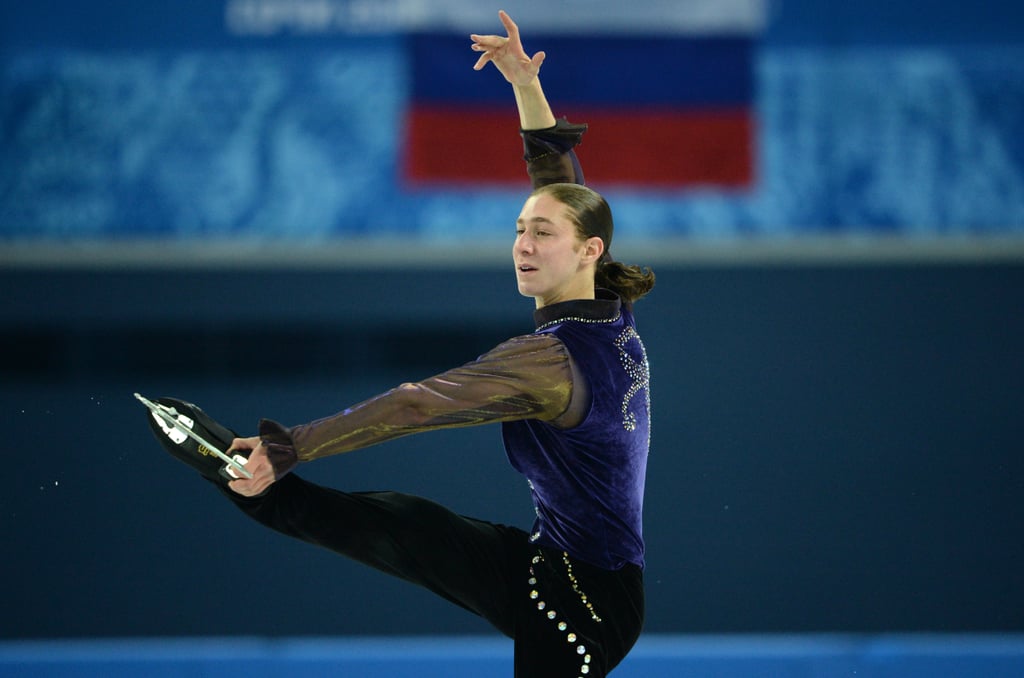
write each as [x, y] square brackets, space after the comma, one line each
[667, 87]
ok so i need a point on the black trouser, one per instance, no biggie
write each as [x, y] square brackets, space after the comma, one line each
[567, 618]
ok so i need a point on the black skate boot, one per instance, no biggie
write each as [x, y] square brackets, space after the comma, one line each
[202, 456]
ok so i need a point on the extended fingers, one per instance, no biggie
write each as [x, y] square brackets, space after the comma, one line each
[482, 61]
[487, 41]
[492, 41]
[488, 44]
[510, 26]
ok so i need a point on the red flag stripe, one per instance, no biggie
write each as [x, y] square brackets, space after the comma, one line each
[655, 148]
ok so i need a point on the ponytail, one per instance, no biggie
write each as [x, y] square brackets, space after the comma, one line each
[626, 280]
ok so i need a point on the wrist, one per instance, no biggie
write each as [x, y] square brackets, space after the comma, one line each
[534, 110]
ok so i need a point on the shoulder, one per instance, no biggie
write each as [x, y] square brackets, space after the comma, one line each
[528, 347]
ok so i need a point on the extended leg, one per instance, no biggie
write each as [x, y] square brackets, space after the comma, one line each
[466, 561]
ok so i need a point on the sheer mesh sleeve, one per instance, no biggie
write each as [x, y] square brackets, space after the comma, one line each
[528, 377]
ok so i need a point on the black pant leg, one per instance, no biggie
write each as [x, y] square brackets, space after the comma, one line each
[464, 560]
[578, 621]
[488, 569]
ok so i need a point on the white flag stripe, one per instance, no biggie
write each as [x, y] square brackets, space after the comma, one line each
[268, 17]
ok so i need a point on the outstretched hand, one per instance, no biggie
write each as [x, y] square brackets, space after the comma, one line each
[507, 54]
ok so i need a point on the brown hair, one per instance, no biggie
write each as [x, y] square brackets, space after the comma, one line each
[590, 212]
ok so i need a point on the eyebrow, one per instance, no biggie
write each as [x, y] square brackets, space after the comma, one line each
[536, 220]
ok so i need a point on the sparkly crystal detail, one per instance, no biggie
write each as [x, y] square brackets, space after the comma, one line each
[563, 627]
[638, 372]
[578, 319]
[576, 587]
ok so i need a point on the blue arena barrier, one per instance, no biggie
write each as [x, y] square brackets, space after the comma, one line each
[746, 656]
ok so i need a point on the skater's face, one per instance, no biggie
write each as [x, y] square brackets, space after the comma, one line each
[552, 262]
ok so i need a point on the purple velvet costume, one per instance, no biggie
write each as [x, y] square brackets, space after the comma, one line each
[588, 481]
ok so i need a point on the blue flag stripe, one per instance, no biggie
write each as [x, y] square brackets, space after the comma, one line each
[687, 71]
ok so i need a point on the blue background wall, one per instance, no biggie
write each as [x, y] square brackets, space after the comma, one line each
[837, 438]
[835, 448]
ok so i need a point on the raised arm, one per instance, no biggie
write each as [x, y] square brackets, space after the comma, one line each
[520, 70]
[548, 142]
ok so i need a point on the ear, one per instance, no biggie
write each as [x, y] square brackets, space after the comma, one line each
[593, 248]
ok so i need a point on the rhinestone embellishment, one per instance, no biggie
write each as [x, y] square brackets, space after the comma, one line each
[577, 319]
[563, 627]
[638, 372]
[576, 588]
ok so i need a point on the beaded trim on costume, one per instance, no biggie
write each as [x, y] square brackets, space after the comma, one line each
[574, 318]
[639, 373]
[576, 588]
[552, 615]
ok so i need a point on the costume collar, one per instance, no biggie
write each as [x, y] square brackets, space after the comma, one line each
[605, 307]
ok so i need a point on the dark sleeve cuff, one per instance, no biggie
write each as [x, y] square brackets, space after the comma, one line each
[280, 448]
[549, 154]
[561, 138]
